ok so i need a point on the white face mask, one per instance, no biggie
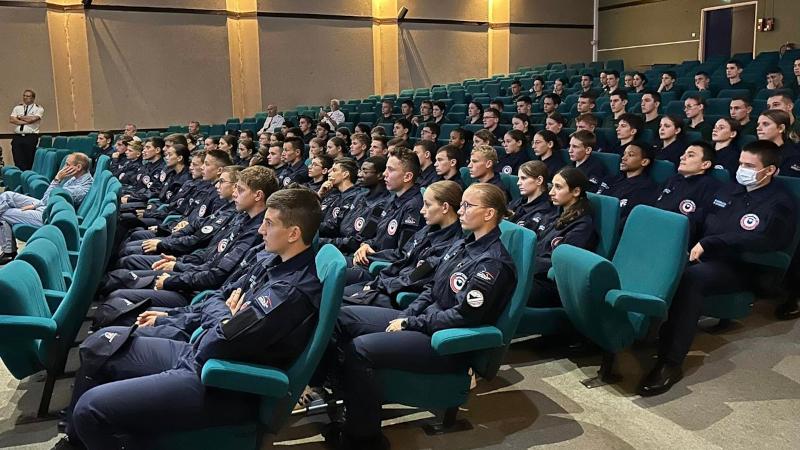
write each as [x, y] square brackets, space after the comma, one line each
[747, 177]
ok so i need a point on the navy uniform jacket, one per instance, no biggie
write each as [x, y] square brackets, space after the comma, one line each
[498, 181]
[399, 220]
[314, 185]
[148, 181]
[532, 214]
[297, 173]
[672, 152]
[554, 163]
[638, 190]
[198, 233]
[276, 320]
[790, 156]
[690, 196]
[203, 202]
[212, 309]
[178, 202]
[428, 176]
[510, 162]
[172, 183]
[456, 179]
[758, 221]
[218, 261]
[472, 285]
[413, 267]
[333, 224]
[594, 170]
[728, 158]
[580, 233]
[128, 170]
[357, 224]
[704, 128]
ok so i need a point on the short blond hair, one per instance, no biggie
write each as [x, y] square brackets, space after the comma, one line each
[487, 151]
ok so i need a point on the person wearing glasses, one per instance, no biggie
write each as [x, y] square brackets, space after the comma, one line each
[694, 107]
[491, 122]
[472, 284]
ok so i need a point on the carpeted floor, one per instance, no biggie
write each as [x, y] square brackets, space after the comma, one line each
[741, 390]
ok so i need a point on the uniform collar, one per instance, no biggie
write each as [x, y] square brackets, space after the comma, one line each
[297, 262]
[479, 246]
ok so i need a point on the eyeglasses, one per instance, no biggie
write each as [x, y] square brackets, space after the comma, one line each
[221, 181]
[690, 106]
[466, 206]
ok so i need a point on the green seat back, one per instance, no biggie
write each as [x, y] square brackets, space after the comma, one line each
[510, 183]
[605, 214]
[67, 222]
[661, 170]
[52, 234]
[42, 255]
[22, 297]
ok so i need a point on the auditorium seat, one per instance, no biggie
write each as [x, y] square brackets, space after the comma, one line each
[612, 301]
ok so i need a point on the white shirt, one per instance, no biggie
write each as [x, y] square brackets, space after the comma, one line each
[334, 116]
[27, 110]
[272, 123]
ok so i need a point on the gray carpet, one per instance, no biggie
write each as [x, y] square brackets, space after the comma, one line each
[741, 390]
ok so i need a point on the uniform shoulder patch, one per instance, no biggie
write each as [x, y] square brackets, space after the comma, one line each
[475, 298]
[749, 222]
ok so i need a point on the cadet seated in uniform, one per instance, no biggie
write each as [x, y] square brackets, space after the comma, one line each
[633, 185]
[150, 386]
[754, 215]
[400, 218]
[691, 191]
[482, 164]
[533, 207]
[412, 266]
[471, 286]
[172, 283]
[572, 225]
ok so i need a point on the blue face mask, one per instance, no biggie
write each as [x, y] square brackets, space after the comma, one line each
[747, 177]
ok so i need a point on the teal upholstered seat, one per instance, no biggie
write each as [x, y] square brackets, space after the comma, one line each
[486, 344]
[31, 338]
[611, 302]
[554, 320]
[278, 389]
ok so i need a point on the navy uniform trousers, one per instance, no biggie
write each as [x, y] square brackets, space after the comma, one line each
[361, 336]
[144, 389]
[700, 280]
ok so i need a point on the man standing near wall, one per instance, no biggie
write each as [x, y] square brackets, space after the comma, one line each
[26, 118]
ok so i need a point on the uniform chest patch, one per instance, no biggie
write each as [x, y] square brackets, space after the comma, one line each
[749, 222]
[169, 195]
[202, 211]
[623, 202]
[556, 240]
[222, 245]
[265, 301]
[457, 282]
[207, 229]
[336, 212]
[687, 206]
[163, 176]
[392, 227]
[720, 203]
[485, 276]
[359, 223]
[507, 170]
[286, 181]
[110, 335]
[146, 179]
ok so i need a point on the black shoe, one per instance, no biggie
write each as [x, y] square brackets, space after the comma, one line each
[660, 379]
[62, 426]
[65, 444]
[788, 310]
[337, 439]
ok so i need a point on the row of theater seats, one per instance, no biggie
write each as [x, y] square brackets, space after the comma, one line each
[48, 302]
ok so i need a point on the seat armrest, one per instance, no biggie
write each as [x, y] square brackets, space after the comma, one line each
[243, 377]
[201, 296]
[377, 266]
[26, 327]
[775, 260]
[551, 274]
[54, 298]
[461, 340]
[171, 218]
[637, 302]
[73, 257]
[406, 298]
